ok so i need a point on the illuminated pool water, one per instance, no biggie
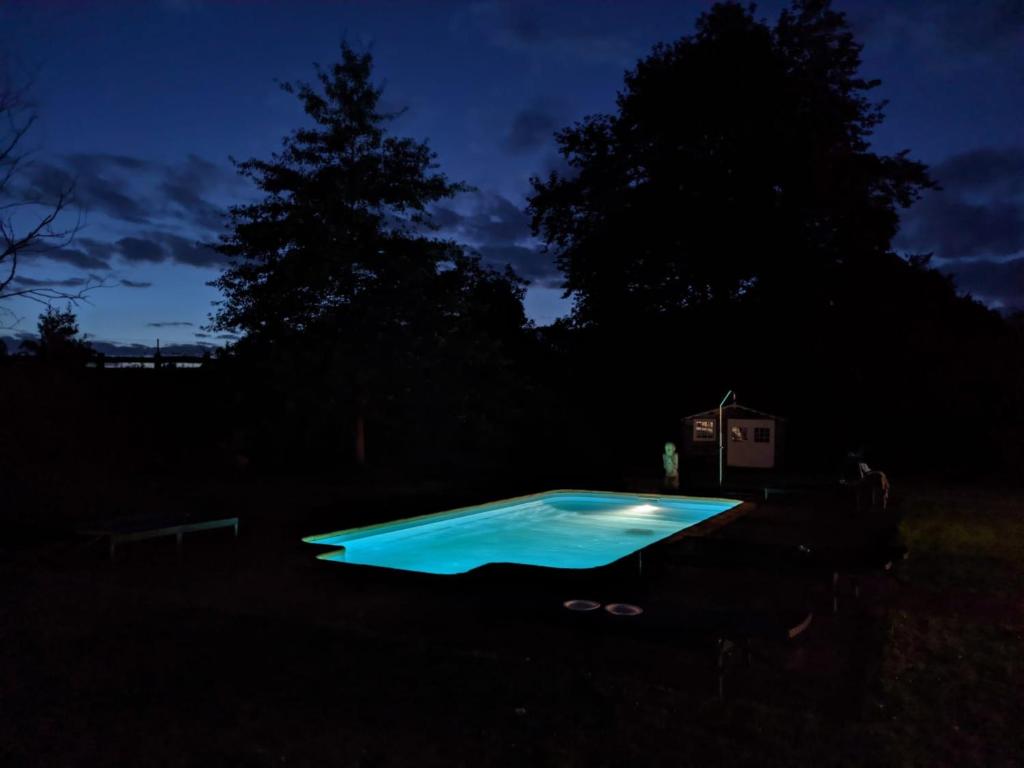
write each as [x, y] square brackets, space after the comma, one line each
[559, 529]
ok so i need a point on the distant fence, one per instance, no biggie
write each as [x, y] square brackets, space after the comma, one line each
[148, 361]
[125, 361]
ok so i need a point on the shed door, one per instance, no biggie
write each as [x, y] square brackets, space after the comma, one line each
[750, 443]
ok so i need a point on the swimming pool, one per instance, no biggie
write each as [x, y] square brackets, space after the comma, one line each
[557, 529]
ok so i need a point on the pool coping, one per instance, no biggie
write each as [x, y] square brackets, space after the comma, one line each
[713, 523]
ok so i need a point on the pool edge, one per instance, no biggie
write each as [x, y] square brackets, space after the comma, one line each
[448, 513]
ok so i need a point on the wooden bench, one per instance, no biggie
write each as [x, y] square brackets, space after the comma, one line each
[137, 530]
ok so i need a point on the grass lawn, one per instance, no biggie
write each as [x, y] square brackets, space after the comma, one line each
[952, 671]
[257, 654]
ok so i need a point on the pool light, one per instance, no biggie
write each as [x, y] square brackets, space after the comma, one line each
[642, 509]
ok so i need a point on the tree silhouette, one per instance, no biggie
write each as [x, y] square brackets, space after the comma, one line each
[336, 281]
[737, 163]
[29, 224]
[58, 340]
[731, 226]
[341, 215]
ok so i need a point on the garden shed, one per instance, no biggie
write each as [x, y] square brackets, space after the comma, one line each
[752, 438]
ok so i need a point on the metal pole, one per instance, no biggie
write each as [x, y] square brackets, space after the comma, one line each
[721, 443]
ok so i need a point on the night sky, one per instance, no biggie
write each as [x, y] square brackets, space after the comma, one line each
[143, 103]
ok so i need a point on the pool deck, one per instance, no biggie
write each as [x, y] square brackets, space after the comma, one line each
[715, 522]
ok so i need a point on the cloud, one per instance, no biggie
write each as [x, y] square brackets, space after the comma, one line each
[954, 228]
[187, 251]
[486, 218]
[96, 248]
[92, 281]
[95, 164]
[975, 224]
[979, 27]
[182, 186]
[530, 263]
[161, 209]
[170, 324]
[979, 212]
[996, 282]
[69, 282]
[140, 249]
[99, 183]
[499, 230]
[138, 191]
[531, 128]
[145, 247]
[947, 30]
[74, 257]
[154, 247]
[989, 169]
[525, 26]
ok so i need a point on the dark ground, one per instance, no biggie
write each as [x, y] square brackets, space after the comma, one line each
[254, 653]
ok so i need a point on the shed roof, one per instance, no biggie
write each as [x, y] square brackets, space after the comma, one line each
[734, 409]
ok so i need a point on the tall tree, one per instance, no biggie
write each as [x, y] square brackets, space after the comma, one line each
[738, 162]
[732, 221]
[342, 205]
[58, 340]
[336, 271]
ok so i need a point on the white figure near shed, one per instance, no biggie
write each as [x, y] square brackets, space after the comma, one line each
[670, 462]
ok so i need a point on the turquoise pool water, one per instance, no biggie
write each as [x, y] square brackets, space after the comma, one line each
[559, 529]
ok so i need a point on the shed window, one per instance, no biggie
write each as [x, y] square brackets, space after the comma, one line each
[703, 429]
[762, 434]
[738, 434]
